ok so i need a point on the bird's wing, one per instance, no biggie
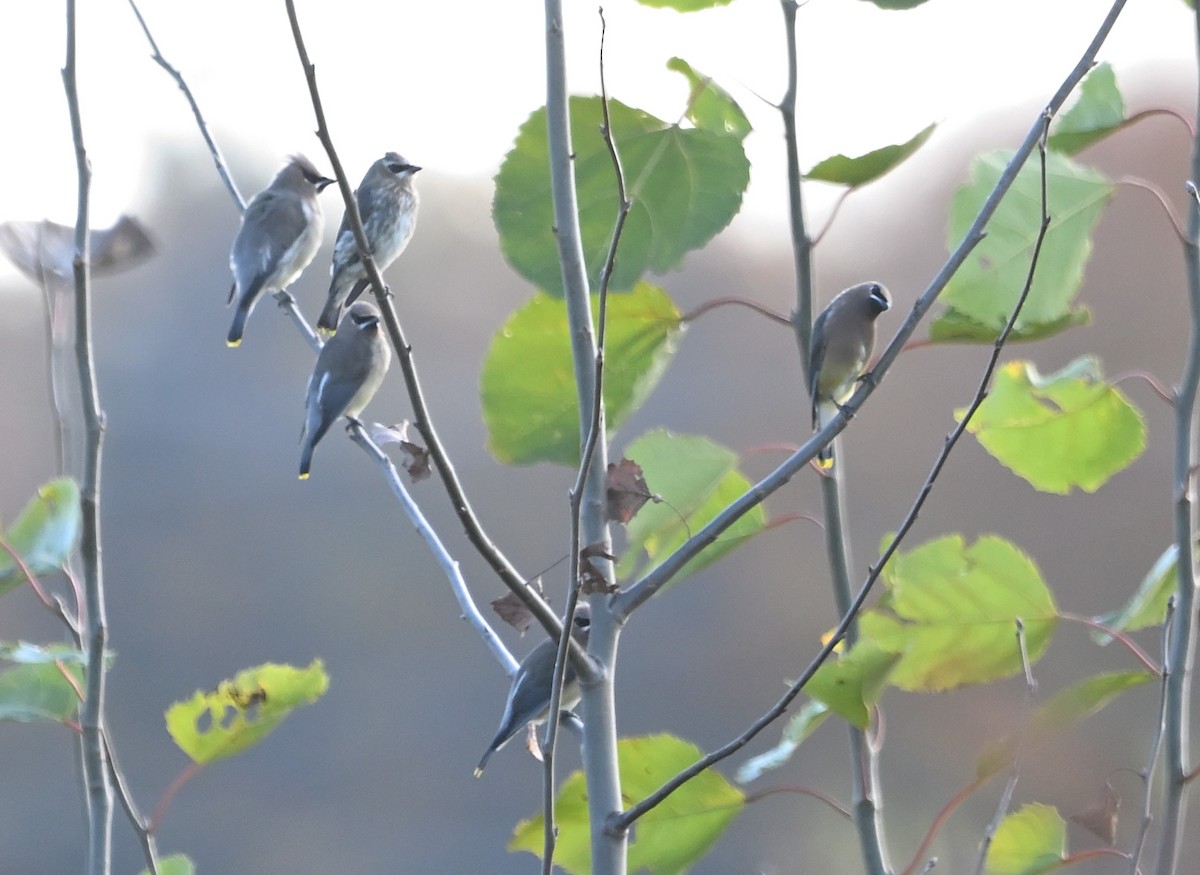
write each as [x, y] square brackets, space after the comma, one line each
[272, 226]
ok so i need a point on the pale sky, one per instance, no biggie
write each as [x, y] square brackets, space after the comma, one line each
[447, 84]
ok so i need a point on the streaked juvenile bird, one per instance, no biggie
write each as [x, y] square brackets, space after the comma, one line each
[349, 370]
[281, 232]
[529, 696]
[387, 202]
[843, 338]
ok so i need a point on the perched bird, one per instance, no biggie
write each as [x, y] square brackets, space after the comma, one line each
[387, 202]
[348, 372]
[281, 232]
[842, 340]
[529, 696]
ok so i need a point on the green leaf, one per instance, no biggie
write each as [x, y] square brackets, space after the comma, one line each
[989, 283]
[1069, 429]
[709, 105]
[40, 654]
[1098, 112]
[44, 534]
[685, 5]
[952, 609]
[527, 387]
[954, 327]
[897, 4]
[244, 710]
[1148, 605]
[852, 684]
[670, 837]
[1082, 700]
[795, 733]
[856, 172]
[40, 692]
[176, 864]
[696, 479]
[1028, 842]
[685, 184]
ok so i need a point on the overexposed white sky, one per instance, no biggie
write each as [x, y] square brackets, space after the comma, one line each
[448, 83]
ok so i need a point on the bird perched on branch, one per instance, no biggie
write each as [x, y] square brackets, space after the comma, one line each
[529, 696]
[348, 373]
[281, 232]
[843, 338]
[387, 204]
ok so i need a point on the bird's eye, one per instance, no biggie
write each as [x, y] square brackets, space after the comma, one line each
[582, 622]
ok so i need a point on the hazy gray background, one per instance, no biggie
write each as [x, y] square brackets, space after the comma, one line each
[218, 558]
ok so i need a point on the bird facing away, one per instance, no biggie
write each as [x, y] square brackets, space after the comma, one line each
[281, 232]
[349, 370]
[843, 338]
[529, 696]
[387, 203]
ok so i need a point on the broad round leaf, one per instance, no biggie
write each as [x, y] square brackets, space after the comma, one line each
[671, 837]
[709, 105]
[686, 184]
[1067, 430]
[952, 609]
[34, 692]
[987, 287]
[527, 387]
[1098, 112]
[1028, 842]
[44, 534]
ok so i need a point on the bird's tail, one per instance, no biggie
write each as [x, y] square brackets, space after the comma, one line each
[239, 326]
[306, 454]
[825, 413]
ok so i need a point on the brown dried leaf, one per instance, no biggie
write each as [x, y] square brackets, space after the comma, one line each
[592, 579]
[416, 457]
[512, 610]
[1100, 819]
[627, 490]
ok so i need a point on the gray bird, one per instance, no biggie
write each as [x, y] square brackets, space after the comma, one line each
[281, 232]
[348, 372]
[529, 696]
[387, 202]
[843, 338]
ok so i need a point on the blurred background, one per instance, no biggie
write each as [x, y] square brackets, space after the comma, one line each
[217, 558]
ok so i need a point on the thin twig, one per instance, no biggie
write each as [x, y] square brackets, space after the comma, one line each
[449, 567]
[213, 149]
[624, 820]
[942, 816]
[837, 206]
[125, 795]
[1147, 774]
[1014, 769]
[819, 795]
[422, 420]
[1161, 197]
[1157, 387]
[1117, 635]
[168, 795]
[730, 301]
[98, 789]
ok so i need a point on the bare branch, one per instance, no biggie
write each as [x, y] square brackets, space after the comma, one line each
[1147, 773]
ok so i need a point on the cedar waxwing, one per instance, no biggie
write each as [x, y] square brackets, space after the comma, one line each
[842, 340]
[387, 203]
[348, 372]
[529, 696]
[281, 232]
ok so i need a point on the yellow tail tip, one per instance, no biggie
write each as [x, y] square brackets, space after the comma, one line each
[478, 772]
[233, 344]
[825, 464]
[304, 475]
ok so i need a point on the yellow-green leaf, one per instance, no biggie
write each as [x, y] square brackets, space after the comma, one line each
[856, 172]
[951, 613]
[44, 534]
[1080, 701]
[852, 684]
[1148, 604]
[527, 386]
[176, 864]
[1028, 842]
[1067, 430]
[987, 287]
[696, 479]
[668, 839]
[36, 692]
[709, 105]
[241, 712]
[1098, 112]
